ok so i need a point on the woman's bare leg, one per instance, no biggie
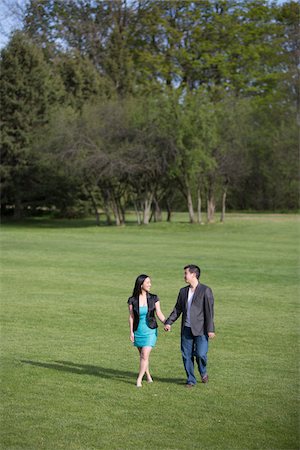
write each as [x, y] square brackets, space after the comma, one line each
[148, 375]
[144, 365]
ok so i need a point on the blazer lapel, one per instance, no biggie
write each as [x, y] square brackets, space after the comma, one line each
[186, 294]
[197, 292]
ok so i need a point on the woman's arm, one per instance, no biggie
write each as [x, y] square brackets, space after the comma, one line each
[131, 317]
[159, 313]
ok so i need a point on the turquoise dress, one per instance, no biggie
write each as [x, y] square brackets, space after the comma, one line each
[144, 336]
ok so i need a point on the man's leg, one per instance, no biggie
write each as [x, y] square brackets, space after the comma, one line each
[187, 346]
[201, 349]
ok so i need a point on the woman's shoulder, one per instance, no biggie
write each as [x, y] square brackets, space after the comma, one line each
[153, 297]
[131, 300]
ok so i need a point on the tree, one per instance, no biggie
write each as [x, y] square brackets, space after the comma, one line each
[27, 93]
[288, 16]
[166, 83]
[232, 149]
[194, 128]
[82, 82]
[272, 179]
[96, 30]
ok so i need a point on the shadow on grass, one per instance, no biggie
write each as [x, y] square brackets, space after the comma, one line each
[98, 371]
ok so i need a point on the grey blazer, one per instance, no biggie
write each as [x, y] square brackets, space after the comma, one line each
[202, 310]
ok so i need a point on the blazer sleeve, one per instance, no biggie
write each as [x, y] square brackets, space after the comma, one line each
[209, 310]
[176, 311]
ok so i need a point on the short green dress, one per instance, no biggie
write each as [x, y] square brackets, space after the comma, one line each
[144, 336]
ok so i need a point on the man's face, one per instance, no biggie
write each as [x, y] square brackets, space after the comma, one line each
[188, 276]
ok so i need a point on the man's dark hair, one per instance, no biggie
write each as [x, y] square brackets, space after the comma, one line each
[193, 269]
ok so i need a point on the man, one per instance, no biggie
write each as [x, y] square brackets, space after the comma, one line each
[196, 304]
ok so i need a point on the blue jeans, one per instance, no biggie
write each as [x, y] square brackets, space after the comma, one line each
[193, 346]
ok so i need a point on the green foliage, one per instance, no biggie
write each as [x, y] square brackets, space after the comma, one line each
[273, 162]
[197, 134]
[143, 45]
[27, 93]
[82, 82]
[68, 369]
[170, 98]
[118, 148]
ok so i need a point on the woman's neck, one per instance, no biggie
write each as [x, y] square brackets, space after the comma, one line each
[143, 298]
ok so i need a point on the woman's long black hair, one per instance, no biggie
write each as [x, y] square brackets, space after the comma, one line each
[138, 285]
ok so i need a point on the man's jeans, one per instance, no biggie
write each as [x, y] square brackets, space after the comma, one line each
[193, 346]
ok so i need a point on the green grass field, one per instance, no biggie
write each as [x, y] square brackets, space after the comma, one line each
[68, 369]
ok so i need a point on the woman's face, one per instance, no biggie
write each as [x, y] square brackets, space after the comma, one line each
[146, 286]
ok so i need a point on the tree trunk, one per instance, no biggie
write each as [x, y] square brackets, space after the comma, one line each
[18, 211]
[169, 212]
[211, 206]
[223, 205]
[105, 197]
[157, 211]
[147, 208]
[122, 212]
[189, 199]
[199, 206]
[94, 204]
[119, 210]
[190, 205]
[116, 212]
[138, 214]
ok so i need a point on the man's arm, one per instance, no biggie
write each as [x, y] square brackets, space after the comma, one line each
[175, 313]
[209, 312]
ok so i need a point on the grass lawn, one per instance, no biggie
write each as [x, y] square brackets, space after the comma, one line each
[68, 369]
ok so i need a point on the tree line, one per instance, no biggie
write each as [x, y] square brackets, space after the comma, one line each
[114, 105]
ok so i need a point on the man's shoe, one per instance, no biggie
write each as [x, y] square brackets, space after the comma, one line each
[204, 379]
[189, 385]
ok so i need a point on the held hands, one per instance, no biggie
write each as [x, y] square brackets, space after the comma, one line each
[210, 335]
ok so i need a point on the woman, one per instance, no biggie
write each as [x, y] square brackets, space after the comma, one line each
[143, 326]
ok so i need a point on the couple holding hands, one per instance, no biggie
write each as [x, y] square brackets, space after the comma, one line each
[196, 304]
